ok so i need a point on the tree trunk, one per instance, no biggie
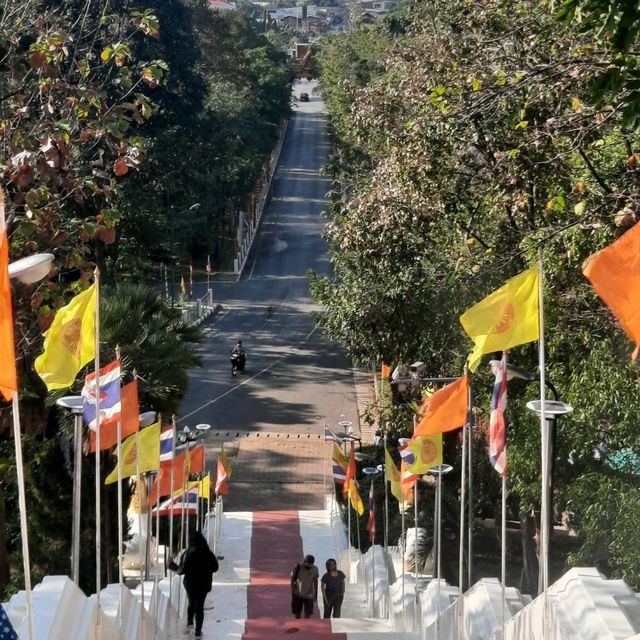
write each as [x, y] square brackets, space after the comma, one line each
[529, 575]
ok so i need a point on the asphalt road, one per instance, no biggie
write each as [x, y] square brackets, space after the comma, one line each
[295, 378]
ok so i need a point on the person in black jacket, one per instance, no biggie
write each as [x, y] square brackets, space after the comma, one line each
[197, 565]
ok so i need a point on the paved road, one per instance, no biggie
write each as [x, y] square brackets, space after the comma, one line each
[295, 378]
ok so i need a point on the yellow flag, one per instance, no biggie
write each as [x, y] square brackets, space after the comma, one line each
[338, 457]
[149, 453]
[393, 476]
[225, 462]
[69, 343]
[354, 496]
[427, 452]
[504, 319]
[203, 488]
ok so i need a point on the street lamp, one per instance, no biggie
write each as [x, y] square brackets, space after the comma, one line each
[193, 207]
[202, 428]
[28, 270]
[74, 405]
[552, 409]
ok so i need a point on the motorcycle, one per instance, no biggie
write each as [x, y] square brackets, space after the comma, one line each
[238, 361]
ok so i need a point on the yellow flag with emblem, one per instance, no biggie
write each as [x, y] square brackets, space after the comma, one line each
[504, 319]
[393, 476]
[149, 449]
[427, 453]
[69, 343]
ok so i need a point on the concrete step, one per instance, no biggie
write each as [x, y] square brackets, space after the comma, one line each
[369, 629]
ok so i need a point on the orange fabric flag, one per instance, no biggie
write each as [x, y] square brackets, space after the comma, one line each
[351, 473]
[407, 480]
[222, 486]
[129, 416]
[386, 371]
[196, 460]
[8, 377]
[447, 409]
[614, 273]
[183, 466]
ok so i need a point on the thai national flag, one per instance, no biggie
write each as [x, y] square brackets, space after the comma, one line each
[339, 473]
[109, 384]
[189, 500]
[330, 436]
[407, 455]
[497, 424]
[166, 446]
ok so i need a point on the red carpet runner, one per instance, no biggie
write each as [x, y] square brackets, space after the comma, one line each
[276, 546]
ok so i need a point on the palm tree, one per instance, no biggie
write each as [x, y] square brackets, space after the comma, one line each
[153, 340]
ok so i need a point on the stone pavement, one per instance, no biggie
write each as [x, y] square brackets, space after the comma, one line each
[280, 471]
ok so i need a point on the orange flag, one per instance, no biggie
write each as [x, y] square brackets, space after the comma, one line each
[386, 371]
[614, 273]
[351, 473]
[129, 416]
[8, 378]
[222, 486]
[407, 480]
[183, 465]
[447, 409]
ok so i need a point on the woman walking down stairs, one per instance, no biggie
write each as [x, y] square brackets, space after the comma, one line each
[251, 597]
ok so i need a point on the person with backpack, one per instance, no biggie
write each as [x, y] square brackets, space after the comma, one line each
[197, 565]
[304, 587]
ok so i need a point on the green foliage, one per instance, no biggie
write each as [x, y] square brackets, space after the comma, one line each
[604, 510]
[473, 146]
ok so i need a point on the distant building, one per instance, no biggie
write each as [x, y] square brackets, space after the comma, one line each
[221, 5]
[309, 19]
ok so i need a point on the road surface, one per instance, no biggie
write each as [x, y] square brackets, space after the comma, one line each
[296, 379]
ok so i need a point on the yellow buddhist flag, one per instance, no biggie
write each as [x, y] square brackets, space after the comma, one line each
[427, 453]
[393, 476]
[69, 343]
[149, 453]
[204, 488]
[338, 457]
[504, 319]
[354, 496]
[225, 462]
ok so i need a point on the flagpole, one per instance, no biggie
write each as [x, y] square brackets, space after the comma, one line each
[544, 431]
[22, 504]
[415, 547]
[97, 462]
[386, 527]
[463, 468]
[324, 460]
[349, 530]
[404, 547]
[120, 522]
[139, 483]
[373, 574]
[503, 527]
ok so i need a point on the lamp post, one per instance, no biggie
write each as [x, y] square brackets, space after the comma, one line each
[193, 207]
[372, 471]
[73, 404]
[550, 412]
[28, 271]
[438, 472]
[202, 428]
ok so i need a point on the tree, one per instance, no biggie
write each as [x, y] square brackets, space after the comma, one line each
[483, 148]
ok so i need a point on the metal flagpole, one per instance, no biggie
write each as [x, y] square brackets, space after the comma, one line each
[77, 490]
[349, 532]
[22, 504]
[463, 467]
[439, 549]
[470, 492]
[120, 522]
[324, 460]
[415, 547]
[97, 465]
[404, 547]
[503, 558]
[373, 576]
[386, 529]
[139, 484]
[544, 431]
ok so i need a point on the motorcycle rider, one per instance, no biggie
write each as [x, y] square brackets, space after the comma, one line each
[239, 355]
